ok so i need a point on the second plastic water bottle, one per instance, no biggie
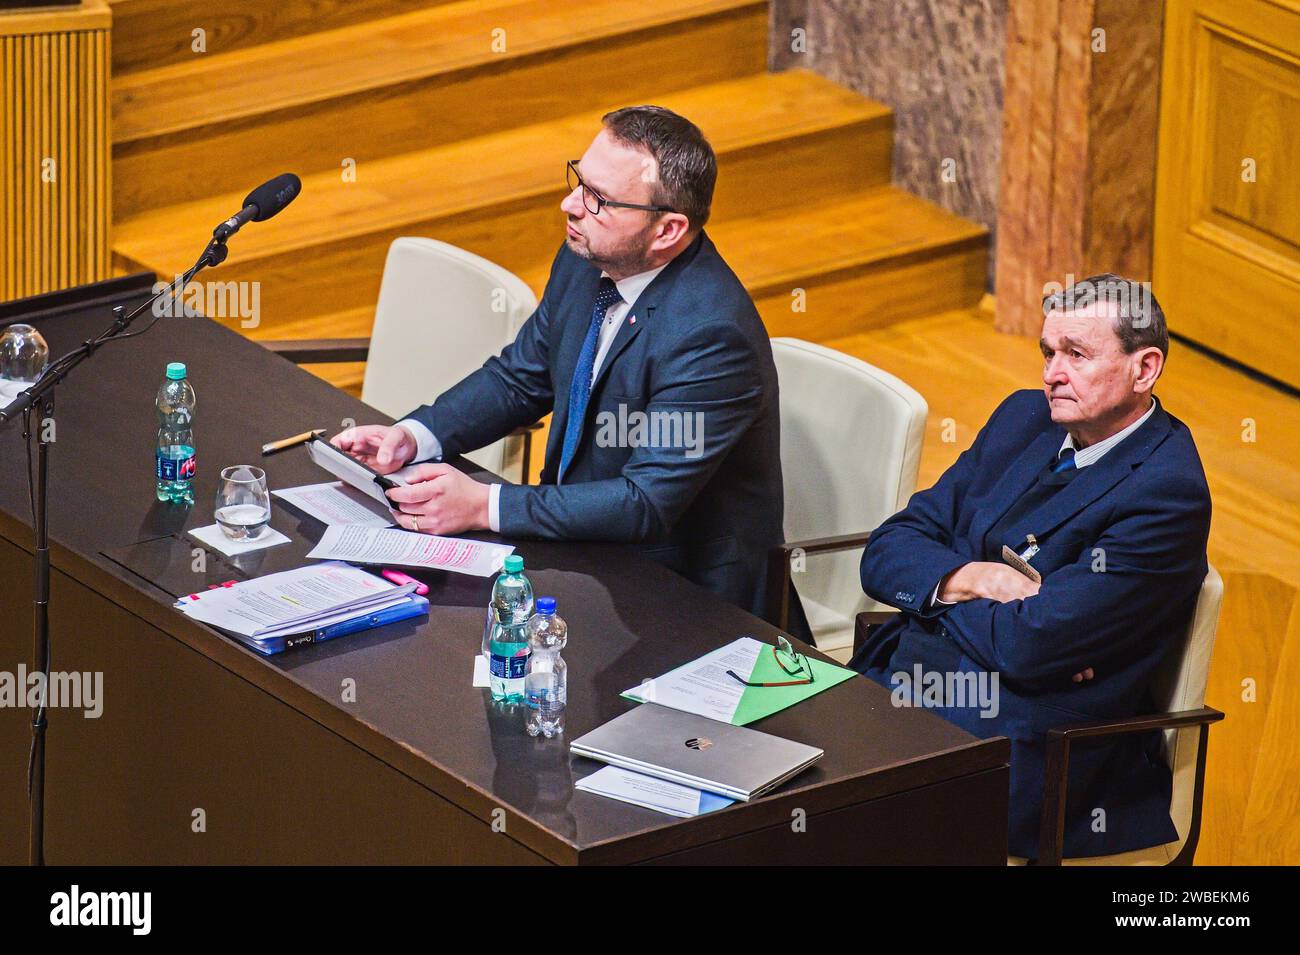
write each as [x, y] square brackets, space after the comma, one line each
[546, 686]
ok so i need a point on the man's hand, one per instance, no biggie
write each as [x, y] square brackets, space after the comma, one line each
[444, 501]
[378, 446]
[981, 578]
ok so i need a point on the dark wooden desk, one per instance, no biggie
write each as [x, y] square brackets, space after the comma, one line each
[418, 767]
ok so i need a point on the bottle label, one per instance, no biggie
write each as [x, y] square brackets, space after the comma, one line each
[548, 703]
[509, 668]
[174, 469]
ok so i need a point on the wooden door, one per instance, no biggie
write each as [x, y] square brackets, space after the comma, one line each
[1227, 229]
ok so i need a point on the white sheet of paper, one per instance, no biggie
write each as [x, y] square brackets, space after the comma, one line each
[213, 536]
[9, 390]
[650, 793]
[702, 686]
[398, 548]
[482, 675]
[293, 600]
[335, 502]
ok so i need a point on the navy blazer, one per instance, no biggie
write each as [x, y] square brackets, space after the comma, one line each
[1122, 560]
[710, 504]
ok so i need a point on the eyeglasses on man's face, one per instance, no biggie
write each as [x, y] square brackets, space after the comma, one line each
[794, 664]
[594, 201]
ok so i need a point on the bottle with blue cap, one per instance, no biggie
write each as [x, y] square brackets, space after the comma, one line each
[546, 687]
[174, 458]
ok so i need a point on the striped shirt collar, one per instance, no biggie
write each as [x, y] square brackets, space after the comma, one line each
[1095, 452]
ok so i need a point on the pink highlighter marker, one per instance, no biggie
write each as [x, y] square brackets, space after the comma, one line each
[401, 579]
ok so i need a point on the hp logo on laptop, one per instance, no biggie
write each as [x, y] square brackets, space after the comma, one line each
[699, 742]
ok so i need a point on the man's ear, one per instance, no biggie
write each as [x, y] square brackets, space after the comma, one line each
[669, 230]
[1149, 363]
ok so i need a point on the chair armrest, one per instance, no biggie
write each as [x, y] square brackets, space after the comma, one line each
[864, 621]
[526, 432]
[1051, 840]
[306, 351]
[778, 570]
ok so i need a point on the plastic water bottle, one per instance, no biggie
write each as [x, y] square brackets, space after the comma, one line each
[507, 642]
[174, 464]
[546, 686]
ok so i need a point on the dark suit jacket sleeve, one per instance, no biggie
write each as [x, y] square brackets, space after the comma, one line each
[910, 553]
[1089, 613]
[511, 390]
[713, 371]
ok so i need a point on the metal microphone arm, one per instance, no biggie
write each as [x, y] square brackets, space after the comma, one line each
[41, 393]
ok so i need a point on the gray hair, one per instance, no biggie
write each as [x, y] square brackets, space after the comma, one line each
[1139, 319]
[688, 169]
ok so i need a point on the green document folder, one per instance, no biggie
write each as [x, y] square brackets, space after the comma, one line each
[757, 702]
[760, 701]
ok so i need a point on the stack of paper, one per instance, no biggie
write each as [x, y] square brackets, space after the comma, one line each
[651, 793]
[313, 603]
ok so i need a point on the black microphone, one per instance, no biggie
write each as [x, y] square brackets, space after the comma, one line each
[261, 204]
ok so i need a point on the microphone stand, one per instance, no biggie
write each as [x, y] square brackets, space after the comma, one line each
[41, 396]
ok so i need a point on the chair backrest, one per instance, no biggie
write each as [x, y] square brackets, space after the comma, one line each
[851, 438]
[1180, 685]
[441, 313]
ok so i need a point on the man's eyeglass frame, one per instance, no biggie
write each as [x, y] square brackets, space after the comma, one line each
[798, 664]
[571, 173]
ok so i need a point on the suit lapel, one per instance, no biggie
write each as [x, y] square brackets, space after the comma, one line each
[1096, 479]
[627, 331]
[644, 307]
[1017, 480]
[643, 310]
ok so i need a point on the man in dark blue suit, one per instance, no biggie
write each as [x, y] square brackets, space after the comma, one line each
[1099, 494]
[650, 353]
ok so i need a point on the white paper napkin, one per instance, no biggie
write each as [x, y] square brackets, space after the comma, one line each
[213, 536]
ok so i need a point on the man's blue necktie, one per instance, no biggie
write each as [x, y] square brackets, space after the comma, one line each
[1065, 462]
[580, 387]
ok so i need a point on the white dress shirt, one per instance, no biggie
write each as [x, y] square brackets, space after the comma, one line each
[1089, 455]
[427, 445]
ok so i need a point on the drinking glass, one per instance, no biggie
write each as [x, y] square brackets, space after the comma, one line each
[243, 502]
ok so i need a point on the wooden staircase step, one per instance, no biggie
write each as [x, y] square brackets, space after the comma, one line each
[153, 33]
[855, 262]
[783, 140]
[409, 82]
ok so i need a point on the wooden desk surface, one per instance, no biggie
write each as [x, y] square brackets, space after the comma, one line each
[415, 709]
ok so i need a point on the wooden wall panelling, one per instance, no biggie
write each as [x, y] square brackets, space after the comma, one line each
[54, 205]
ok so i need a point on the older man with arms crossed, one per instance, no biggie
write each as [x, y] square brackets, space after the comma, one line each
[1100, 492]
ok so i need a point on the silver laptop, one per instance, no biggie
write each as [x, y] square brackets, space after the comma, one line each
[695, 751]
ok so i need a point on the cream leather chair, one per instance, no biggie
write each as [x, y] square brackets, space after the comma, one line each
[1180, 690]
[851, 439]
[441, 313]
